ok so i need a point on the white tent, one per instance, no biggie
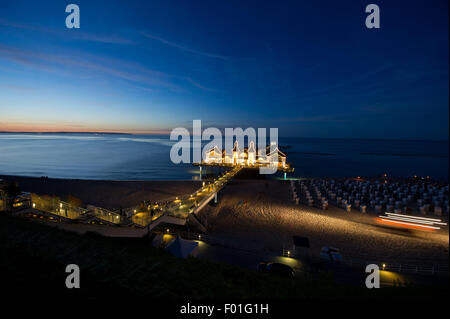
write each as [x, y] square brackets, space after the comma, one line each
[182, 248]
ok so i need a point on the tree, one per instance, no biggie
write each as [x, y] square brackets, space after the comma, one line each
[11, 189]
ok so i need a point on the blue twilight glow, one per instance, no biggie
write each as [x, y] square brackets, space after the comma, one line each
[309, 68]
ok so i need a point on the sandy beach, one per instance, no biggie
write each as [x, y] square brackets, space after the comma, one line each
[261, 215]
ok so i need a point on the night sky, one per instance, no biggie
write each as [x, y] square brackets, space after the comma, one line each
[310, 68]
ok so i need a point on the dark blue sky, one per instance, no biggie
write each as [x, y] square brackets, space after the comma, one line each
[310, 68]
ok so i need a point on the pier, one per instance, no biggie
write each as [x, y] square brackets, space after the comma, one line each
[249, 158]
[178, 211]
[182, 208]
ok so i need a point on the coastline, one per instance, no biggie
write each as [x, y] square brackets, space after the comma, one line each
[255, 215]
[104, 193]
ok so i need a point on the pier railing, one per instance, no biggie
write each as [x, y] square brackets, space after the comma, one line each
[55, 206]
[106, 215]
[180, 206]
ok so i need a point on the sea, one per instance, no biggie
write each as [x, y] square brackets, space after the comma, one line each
[147, 157]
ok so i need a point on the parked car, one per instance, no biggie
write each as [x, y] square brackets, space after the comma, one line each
[330, 254]
[276, 268]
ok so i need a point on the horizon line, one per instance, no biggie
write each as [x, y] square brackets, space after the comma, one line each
[168, 134]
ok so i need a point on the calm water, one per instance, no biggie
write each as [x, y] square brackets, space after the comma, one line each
[145, 157]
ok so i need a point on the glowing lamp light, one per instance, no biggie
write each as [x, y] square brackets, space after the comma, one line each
[34, 205]
[167, 230]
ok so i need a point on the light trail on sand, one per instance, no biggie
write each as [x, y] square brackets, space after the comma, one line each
[409, 221]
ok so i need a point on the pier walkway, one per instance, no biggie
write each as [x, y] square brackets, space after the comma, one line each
[182, 207]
